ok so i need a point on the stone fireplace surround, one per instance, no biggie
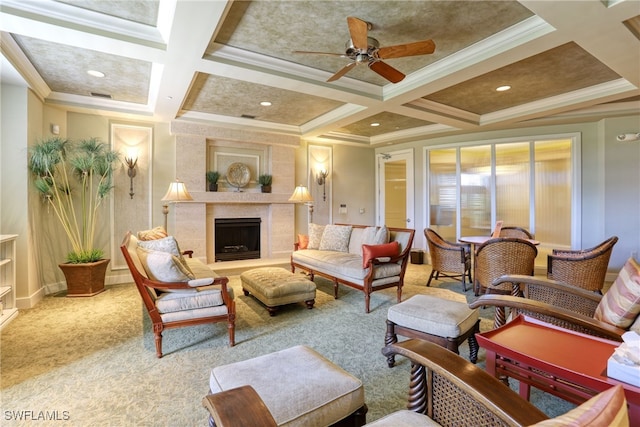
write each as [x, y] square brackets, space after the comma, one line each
[195, 221]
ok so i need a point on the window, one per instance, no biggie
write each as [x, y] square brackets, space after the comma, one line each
[523, 183]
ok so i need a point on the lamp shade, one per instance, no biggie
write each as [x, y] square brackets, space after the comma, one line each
[177, 192]
[301, 195]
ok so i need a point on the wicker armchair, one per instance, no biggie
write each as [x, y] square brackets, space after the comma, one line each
[585, 268]
[443, 386]
[553, 302]
[448, 259]
[517, 232]
[500, 256]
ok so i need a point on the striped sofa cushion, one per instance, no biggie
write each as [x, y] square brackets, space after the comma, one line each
[620, 305]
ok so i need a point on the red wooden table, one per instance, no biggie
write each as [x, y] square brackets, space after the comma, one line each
[565, 363]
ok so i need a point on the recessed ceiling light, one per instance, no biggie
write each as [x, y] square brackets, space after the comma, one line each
[374, 124]
[265, 103]
[95, 73]
[503, 88]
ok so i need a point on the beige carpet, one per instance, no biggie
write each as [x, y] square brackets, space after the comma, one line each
[91, 361]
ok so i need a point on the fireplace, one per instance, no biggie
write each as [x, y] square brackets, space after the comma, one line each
[237, 238]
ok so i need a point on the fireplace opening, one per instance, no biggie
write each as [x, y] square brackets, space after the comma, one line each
[237, 238]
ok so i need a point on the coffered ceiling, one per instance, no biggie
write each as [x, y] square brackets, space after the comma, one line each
[216, 61]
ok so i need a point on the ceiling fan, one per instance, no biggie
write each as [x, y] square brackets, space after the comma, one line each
[362, 49]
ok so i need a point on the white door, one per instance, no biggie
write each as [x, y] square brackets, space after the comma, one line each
[395, 189]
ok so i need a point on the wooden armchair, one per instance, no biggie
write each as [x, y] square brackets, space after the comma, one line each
[585, 268]
[448, 259]
[443, 386]
[553, 302]
[217, 306]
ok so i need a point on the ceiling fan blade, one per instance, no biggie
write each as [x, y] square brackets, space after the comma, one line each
[341, 55]
[409, 49]
[386, 71]
[342, 71]
[358, 31]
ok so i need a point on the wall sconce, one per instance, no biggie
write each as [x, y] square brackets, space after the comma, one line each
[321, 179]
[131, 160]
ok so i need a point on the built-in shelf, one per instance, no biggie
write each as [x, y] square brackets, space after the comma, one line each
[8, 278]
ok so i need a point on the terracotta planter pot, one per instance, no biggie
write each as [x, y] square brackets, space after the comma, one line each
[266, 189]
[85, 280]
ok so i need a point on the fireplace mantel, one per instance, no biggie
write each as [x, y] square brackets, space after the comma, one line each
[232, 197]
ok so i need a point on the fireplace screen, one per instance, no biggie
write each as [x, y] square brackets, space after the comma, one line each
[237, 238]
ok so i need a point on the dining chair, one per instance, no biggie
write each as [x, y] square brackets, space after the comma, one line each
[449, 259]
[585, 268]
[518, 232]
[499, 256]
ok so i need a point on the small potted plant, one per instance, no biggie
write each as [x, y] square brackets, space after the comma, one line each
[212, 179]
[265, 181]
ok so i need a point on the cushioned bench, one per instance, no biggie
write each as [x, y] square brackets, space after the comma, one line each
[299, 386]
[275, 286]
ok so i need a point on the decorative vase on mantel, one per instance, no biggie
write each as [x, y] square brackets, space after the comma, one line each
[266, 189]
[85, 279]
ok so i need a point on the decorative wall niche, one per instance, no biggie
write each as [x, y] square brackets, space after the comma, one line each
[134, 212]
[320, 162]
[222, 154]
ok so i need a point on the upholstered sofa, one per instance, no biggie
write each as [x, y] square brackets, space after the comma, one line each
[364, 258]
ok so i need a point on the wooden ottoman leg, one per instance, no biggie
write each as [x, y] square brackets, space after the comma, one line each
[310, 303]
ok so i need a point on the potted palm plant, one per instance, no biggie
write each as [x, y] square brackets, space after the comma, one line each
[74, 179]
[265, 181]
[212, 179]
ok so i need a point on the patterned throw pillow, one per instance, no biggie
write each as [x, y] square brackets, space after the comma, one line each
[163, 266]
[315, 235]
[620, 305]
[608, 408]
[303, 241]
[370, 252]
[153, 234]
[335, 238]
[167, 244]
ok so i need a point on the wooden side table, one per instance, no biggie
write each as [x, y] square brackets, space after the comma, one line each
[561, 362]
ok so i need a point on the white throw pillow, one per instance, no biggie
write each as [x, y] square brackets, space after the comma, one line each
[335, 238]
[163, 266]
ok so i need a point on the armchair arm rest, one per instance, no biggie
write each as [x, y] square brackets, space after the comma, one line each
[188, 253]
[195, 283]
[494, 400]
[579, 321]
[558, 287]
[238, 407]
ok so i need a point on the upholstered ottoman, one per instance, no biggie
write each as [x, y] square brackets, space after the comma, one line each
[299, 386]
[444, 321]
[275, 286]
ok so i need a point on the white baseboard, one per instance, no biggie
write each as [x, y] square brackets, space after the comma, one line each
[30, 301]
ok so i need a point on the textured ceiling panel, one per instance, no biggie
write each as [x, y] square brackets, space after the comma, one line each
[556, 71]
[219, 95]
[388, 122]
[142, 11]
[278, 28]
[64, 68]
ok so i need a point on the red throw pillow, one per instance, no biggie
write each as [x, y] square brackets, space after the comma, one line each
[370, 252]
[303, 241]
